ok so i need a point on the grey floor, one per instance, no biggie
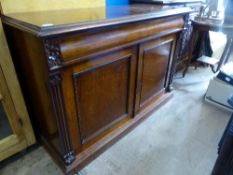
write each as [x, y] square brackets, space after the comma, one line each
[180, 138]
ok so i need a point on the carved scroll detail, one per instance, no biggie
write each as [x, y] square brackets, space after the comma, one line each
[61, 118]
[69, 158]
[181, 43]
[186, 34]
[52, 50]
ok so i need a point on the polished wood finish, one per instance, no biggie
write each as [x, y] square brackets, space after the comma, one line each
[72, 48]
[84, 85]
[104, 93]
[51, 23]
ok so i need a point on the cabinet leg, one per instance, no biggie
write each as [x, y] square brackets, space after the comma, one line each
[191, 45]
[170, 88]
[79, 173]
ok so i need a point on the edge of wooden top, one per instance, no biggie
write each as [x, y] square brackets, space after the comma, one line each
[80, 26]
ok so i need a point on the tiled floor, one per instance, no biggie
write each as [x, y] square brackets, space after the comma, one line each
[180, 138]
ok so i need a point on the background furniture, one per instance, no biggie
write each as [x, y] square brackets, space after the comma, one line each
[16, 133]
[89, 79]
[206, 25]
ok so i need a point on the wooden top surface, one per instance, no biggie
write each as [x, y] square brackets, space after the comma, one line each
[49, 23]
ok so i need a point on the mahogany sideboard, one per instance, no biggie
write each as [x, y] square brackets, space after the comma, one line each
[89, 76]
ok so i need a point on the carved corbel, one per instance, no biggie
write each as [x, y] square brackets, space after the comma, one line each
[53, 53]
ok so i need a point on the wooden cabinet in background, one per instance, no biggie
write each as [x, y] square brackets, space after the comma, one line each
[16, 133]
[89, 83]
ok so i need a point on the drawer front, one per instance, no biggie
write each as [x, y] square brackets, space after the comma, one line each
[87, 43]
[98, 94]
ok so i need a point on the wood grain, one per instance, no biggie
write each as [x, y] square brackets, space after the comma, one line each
[156, 56]
[33, 22]
[87, 87]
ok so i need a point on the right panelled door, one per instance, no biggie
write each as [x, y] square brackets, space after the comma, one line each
[155, 59]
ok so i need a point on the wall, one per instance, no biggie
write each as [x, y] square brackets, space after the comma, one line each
[13, 6]
[116, 2]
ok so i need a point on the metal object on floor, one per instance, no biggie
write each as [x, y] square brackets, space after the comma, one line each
[221, 87]
[218, 92]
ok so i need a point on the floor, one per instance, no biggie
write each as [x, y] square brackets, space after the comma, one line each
[181, 138]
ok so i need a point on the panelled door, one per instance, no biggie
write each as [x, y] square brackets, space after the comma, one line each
[155, 58]
[104, 89]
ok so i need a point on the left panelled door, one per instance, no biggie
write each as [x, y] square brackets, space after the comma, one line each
[104, 87]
